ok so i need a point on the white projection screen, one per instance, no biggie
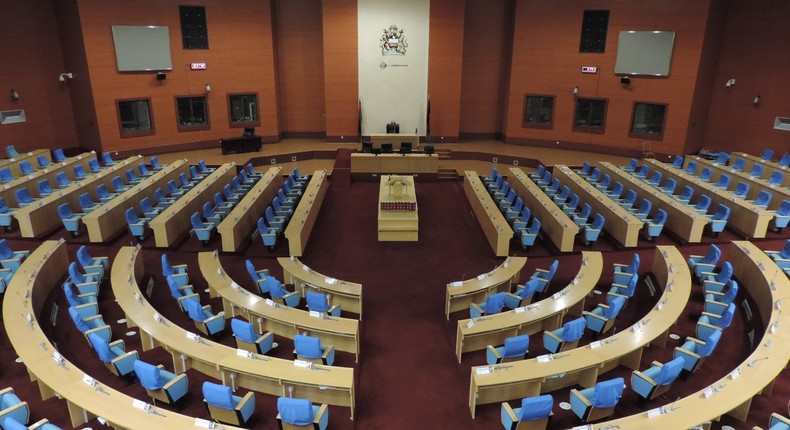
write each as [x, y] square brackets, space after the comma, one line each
[644, 53]
[142, 48]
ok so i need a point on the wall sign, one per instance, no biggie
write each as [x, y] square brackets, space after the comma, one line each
[589, 69]
[197, 66]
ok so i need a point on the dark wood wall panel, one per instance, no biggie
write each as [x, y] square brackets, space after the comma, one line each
[31, 63]
[445, 63]
[341, 83]
[300, 66]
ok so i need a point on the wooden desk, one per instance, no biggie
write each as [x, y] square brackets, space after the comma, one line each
[174, 221]
[108, 220]
[525, 378]
[744, 216]
[321, 384]
[398, 225]
[40, 274]
[31, 181]
[301, 224]
[475, 290]
[755, 185]
[243, 219]
[281, 320]
[682, 219]
[346, 294]
[42, 217]
[555, 224]
[394, 139]
[769, 167]
[394, 163]
[492, 222]
[13, 163]
[757, 372]
[537, 317]
[240, 144]
[620, 224]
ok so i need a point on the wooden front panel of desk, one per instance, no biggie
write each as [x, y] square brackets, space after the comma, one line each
[13, 166]
[554, 223]
[620, 224]
[475, 290]
[174, 221]
[243, 219]
[394, 139]
[744, 216]
[394, 163]
[31, 181]
[755, 185]
[346, 294]
[106, 222]
[683, 220]
[546, 314]
[494, 225]
[301, 224]
[42, 217]
[769, 167]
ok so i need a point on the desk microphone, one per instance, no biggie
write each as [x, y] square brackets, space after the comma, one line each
[753, 362]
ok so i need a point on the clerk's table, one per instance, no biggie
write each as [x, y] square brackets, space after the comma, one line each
[398, 219]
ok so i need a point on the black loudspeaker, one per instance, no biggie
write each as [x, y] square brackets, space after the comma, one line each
[393, 127]
[429, 149]
[625, 80]
[161, 76]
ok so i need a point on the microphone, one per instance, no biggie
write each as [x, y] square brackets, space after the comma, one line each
[753, 362]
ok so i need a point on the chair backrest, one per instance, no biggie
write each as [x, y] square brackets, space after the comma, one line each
[208, 210]
[131, 216]
[65, 212]
[607, 393]
[724, 181]
[742, 189]
[71, 296]
[494, 303]
[84, 257]
[44, 187]
[764, 198]
[101, 191]
[145, 205]
[535, 227]
[615, 306]
[731, 293]
[785, 160]
[101, 347]
[308, 346]
[79, 171]
[617, 189]
[686, 192]
[726, 317]
[25, 167]
[143, 169]
[4, 206]
[130, 175]
[6, 175]
[677, 162]
[316, 301]
[706, 174]
[722, 212]
[516, 346]
[574, 201]
[85, 200]
[167, 268]
[633, 266]
[23, 195]
[42, 161]
[251, 270]
[704, 202]
[76, 276]
[586, 211]
[58, 155]
[669, 185]
[536, 408]
[183, 179]
[713, 255]
[630, 288]
[586, 168]
[776, 177]
[710, 343]
[77, 319]
[243, 330]
[218, 395]
[661, 217]
[538, 172]
[691, 167]
[195, 311]
[5, 251]
[630, 196]
[669, 371]
[297, 412]
[275, 287]
[573, 329]
[106, 158]
[768, 154]
[757, 170]
[739, 163]
[117, 183]
[656, 177]
[598, 222]
[93, 164]
[155, 163]
[645, 206]
[197, 223]
[149, 375]
[722, 158]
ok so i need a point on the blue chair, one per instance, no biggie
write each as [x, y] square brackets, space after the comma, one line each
[132, 178]
[669, 186]
[10, 259]
[776, 178]
[656, 380]
[763, 199]
[739, 164]
[703, 204]
[523, 294]
[160, 384]
[529, 236]
[700, 264]
[309, 348]
[6, 215]
[83, 281]
[274, 221]
[251, 171]
[501, 192]
[656, 225]
[623, 273]
[592, 231]
[98, 266]
[592, 404]
[246, 180]
[493, 305]
[776, 422]
[781, 257]
[143, 169]
[522, 221]
[79, 172]
[582, 216]
[678, 162]
[107, 159]
[539, 171]
[9, 423]
[602, 318]
[513, 211]
[23, 197]
[319, 302]
[288, 202]
[44, 189]
[545, 276]
[741, 190]
[295, 414]
[719, 219]
[563, 195]
[268, 235]
[6, 175]
[161, 200]
[691, 168]
[625, 291]
[710, 322]
[685, 195]
[785, 160]
[565, 337]
[616, 191]
[585, 170]
[643, 210]
[5, 278]
[94, 166]
[723, 183]
[182, 293]
[114, 355]
[86, 203]
[554, 186]
[695, 351]
[722, 158]
[210, 215]
[627, 202]
[186, 184]
[204, 319]
[58, 155]
[90, 324]
[148, 209]
[26, 168]
[706, 174]
[11, 406]
[655, 178]
[757, 171]
[177, 272]
[203, 168]
[229, 195]
[570, 207]
[200, 229]
[633, 165]
[103, 194]
[259, 277]
[279, 294]
[76, 298]
[515, 348]
[138, 227]
[642, 172]
[224, 407]
[117, 185]
[248, 339]
[715, 282]
[717, 302]
[71, 221]
[155, 164]
[280, 210]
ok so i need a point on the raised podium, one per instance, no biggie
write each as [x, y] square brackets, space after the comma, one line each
[398, 219]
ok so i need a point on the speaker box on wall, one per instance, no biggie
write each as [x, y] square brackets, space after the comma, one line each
[161, 76]
[625, 80]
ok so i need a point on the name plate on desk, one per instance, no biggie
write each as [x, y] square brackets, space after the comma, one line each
[303, 364]
[482, 370]
[456, 284]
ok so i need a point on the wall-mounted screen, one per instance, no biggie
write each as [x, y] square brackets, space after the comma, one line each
[644, 53]
[142, 48]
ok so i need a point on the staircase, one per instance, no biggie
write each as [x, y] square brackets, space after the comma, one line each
[445, 173]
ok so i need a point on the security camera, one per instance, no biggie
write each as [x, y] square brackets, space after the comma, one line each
[730, 83]
[62, 78]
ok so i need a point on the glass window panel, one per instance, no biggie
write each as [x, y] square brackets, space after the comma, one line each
[135, 117]
[648, 119]
[192, 113]
[590, 114]
[243, 109]
[538, 111]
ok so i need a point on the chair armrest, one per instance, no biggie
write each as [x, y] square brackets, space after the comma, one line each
[94, 317]
[476, 307]
[118, 342]
[328, 355]
[263, 338]
[88, 310]
[541, 270]
[38, 424]
[645, 378]
[613, 295]
[188, 289]
[249, 397]
[6, 390]
[711, 315]
[507, 410]
[126, 356]
[575, 393]
[104, 331]
[493, 351]
[592, 315]
[178, 379]
[320, 414]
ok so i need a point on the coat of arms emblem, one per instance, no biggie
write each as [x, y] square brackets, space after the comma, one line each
[393, 42]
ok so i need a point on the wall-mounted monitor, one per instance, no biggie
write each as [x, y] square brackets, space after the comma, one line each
[644, 53]
[142, 48]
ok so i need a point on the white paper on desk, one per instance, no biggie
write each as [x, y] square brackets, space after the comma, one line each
[234, 285]
[139, 404]
[557, 295]
[330, 281]
[243, 353]
[545, 358]
[481, 277]
[305, 268]
[205, 424]
[708, 392]
[89, 380]
[596, 344]
[270, 302]
[302, 363]
[470, 324]
[575, 281]
[735, 374]
[660, 306]
[456, 284]
[57, 357]
[219, 271]
[636, 327]
[157, 318]
[654, 413]
[293, 258]
[482, 370]
[506, 263]
[193, 336]
[520, 309]
[586, 427]
[315, 314]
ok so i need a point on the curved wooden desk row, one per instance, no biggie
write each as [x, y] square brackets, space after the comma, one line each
[555, 224]
[514, 380]
[321, 384]
[461, 294]
[301, 224]
[284, 321]
[732, 395]
[243, 219]
[174, 221]
[31, 181]
[620, 223]
[546, 314]
[682, 219]
[22, 306]
[108, 220]
[745, 216]
[755, 184]
[346, 294]
[13, 162]
[42, 217]
[493, 223]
